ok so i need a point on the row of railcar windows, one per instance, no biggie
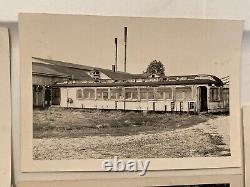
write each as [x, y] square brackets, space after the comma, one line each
[160, 93]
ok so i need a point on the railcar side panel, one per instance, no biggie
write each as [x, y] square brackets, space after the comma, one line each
[181, 98]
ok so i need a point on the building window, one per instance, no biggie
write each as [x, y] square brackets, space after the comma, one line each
[79, 94]
[215, 94]
[183, 93]
[131, 93]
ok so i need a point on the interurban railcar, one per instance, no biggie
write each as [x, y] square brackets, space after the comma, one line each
[195, 93]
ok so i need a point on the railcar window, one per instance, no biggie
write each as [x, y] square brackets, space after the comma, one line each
[79, 94]
[112, 94]
[147, 93]
[92, 94]
[143, 94]
[191, 105]
[131, 93]
[169, 94]
[151, 94]
[102, 94]
[89, 93]
[215, 94]
[128, 95]
[135, 95]
[105, 95]
[164, 93]
[115, 93]
[172, 106]
[85, 94]
[183, 93]
[159, 94]
[225, 97]
[98, 94]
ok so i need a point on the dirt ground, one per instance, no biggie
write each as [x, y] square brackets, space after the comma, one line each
[83, 134]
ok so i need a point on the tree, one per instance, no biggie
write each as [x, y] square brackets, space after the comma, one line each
[156, 67]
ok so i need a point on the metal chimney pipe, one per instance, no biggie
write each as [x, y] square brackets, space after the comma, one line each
[116, 56]
[125, 43]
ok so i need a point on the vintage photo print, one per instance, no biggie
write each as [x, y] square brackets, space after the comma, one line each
[95, 88]
[5, 109]
[194, 181]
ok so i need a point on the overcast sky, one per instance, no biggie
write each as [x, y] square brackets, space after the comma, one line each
[184, 46]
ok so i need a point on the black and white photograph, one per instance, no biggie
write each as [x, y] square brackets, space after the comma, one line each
[89, 112]
[142, 88]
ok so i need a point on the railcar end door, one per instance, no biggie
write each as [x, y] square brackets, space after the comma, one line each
[202, 97]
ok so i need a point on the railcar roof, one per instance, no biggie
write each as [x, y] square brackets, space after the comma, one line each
[131, 84]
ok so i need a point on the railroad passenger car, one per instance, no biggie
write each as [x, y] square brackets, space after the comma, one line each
[192, 93]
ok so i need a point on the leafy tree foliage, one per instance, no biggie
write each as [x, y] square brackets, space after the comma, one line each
[156, 67]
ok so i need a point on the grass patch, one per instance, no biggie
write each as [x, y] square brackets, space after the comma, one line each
[75, 123]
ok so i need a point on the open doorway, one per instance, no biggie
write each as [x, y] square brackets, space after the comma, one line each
[203, 98]
[47, 97]
[56, 96]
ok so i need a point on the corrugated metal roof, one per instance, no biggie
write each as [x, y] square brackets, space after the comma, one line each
[119, 75]
[42, 69]
[62, 63]
[59, 71]
[113, 75]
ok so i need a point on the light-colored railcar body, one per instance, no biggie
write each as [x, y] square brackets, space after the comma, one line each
[165, 96]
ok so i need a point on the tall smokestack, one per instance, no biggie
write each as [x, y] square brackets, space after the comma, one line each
[125, 42]
[113, 68]
[116, 56]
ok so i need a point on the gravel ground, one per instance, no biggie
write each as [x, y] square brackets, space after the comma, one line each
[205, 139]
